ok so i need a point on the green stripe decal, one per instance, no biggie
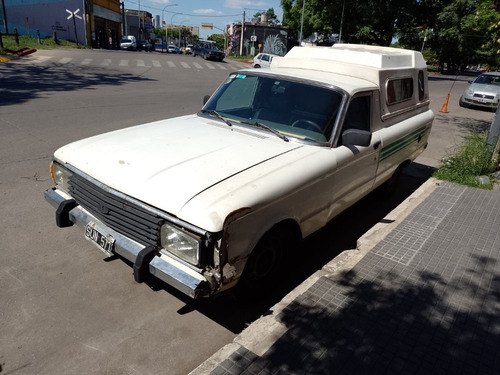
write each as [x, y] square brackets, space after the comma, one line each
[401, 143]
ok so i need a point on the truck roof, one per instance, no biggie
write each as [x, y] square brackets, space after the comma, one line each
[365, 62]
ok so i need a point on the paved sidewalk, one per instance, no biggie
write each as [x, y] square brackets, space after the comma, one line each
[420, 295]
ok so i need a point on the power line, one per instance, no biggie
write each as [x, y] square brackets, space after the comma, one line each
[186, 14]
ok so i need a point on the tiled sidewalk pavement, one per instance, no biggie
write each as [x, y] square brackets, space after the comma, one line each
[424, 300]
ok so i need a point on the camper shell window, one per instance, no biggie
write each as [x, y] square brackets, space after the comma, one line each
[399, 90]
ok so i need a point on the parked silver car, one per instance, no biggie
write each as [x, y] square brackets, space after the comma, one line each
[484, 92]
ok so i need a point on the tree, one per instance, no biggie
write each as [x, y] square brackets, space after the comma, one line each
[467, 33]
[218, 39]
[459, 32]
[272, 18]
[369, 22]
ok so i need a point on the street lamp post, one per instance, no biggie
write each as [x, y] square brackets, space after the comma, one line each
[302, 21]
[163, 21]
[172, 23]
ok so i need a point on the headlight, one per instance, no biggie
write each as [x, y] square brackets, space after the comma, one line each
[470, 92]
[180, 243]
[60, 175]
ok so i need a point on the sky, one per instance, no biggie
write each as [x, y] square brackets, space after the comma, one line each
[194, 12]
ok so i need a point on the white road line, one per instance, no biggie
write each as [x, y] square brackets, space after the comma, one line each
[170, 64]
[41, 59]
[209, 66]
[106, 62]
[123, 63]
[65, 60]
[141, 63]
[86, 62]
[222, 66]
[156, 64]
[185, 65]
[197, 66]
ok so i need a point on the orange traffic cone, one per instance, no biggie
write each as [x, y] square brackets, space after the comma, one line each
[444, 108]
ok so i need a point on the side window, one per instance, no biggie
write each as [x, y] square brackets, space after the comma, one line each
[399, 90]
[421, 88]
[358, 114]
[265, 57]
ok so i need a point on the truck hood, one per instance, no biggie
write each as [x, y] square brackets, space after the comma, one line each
[167, 163]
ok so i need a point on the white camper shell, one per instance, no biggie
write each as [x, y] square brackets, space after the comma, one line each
[221, 198]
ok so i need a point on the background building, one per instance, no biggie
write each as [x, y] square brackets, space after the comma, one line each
[95, 23]
[139, 23]
[258, 36]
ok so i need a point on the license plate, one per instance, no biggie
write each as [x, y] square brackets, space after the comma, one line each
[481, 101]
[103, 241]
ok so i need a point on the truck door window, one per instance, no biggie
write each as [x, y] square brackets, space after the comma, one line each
[358, 115]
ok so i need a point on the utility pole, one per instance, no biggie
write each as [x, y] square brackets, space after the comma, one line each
[124, 30]
[5, 25]
[242, 32]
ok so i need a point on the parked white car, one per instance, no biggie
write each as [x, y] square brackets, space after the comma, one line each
[211, 200]
[128, 42]
[262, 60]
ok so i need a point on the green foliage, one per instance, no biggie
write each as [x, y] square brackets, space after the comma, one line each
[218, 39]
[367, 22]
[471, 160]
[159, 31]
[26, 42]
[455, 32]
[272, 18]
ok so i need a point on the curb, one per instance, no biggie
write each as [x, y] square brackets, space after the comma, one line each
[253, 339]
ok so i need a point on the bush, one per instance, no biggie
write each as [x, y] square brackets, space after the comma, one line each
[471, 160]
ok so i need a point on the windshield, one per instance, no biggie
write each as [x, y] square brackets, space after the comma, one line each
[488, 79]
[292, 108]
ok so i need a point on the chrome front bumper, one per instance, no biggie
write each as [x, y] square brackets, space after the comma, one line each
[165, 268]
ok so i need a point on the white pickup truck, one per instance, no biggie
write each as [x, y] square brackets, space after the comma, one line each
[209, 200]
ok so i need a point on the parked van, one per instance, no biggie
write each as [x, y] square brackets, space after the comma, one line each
[222, 197]
[128, 42]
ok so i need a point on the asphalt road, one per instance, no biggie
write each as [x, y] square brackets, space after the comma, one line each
[65, 310]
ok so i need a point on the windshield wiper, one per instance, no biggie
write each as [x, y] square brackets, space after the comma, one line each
[217, 114]
[268, 128]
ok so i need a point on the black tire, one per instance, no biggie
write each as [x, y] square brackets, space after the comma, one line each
[388, 188]
[265, 264]
[256, 66]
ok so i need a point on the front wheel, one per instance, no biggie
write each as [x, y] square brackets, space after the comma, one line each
[265, 264]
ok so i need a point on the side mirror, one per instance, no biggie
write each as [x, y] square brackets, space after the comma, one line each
[205, 99]
[356, 137]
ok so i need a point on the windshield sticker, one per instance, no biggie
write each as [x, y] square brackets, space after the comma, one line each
[241, 76]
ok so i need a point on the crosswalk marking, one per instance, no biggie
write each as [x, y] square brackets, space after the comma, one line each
[65, 60]
[142, 63]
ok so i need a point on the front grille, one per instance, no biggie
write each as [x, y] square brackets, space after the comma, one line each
[484, 96]
[119, 214]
